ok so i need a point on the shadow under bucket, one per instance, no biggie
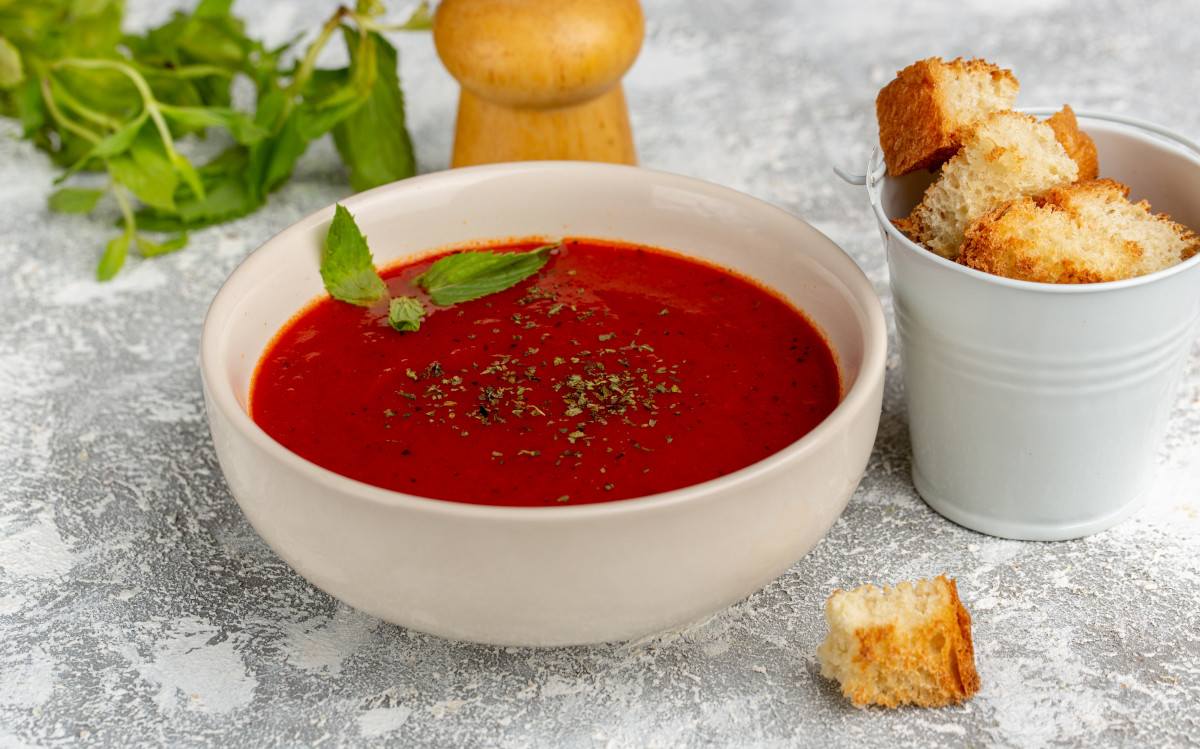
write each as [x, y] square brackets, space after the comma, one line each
[1036, 411]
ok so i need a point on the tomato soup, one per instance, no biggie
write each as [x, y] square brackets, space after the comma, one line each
[616, 371]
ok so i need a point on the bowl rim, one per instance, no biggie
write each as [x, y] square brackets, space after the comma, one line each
[1142, 130]
[855, 287]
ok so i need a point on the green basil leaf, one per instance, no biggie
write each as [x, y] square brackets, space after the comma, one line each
[178, 88]
[269, 162]
[373, 140]
[191, 59]
[91, 26]
[329, 97]
[114, 257]
[420, 20]
[214, 41]
[227, 195]
[405, 313]
[227, 200]
[470, 275]
[116, 143]
[213, 9]
[99, 89]
[371, 8]
[311, 123]
[147, 170]
[275, 158]
[347, 267]
[271, 103]
[119, 140]
[208, 35]
[30, 108]
[12, 72]
[153, 249]
[74, 200]
[239, 124]
[187, 171]
[154, 188]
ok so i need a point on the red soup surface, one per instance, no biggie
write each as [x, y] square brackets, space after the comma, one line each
[615, 372]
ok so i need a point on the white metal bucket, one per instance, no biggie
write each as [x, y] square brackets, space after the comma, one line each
[1036, 410]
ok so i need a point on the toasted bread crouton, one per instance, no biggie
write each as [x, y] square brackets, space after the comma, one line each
[927, 111]
[1030, 243]
[1078, 144]
[1105, 203]
[1083, 233]
[910, 644]
[1008, 155]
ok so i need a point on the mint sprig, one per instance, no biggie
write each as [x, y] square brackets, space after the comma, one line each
[347, 267]
[349, 273]
[467, 276]
[405, 313]
[98, 100]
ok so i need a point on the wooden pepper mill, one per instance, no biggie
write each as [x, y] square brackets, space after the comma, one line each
[541, 79]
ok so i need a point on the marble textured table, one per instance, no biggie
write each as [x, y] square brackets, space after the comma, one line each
[138, 607]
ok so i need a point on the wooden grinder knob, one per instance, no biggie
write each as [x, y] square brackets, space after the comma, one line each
[541, 79]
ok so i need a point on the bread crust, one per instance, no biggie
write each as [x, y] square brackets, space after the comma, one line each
[1079, 145]
[919, 657]
[921, 123]
[1008, 242]
[1008, 154]
[1087, 232]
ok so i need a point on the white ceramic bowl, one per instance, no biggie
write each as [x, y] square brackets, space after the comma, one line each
[560, 575]
[1037, 410]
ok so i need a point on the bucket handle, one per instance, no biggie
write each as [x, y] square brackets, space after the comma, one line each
[862, 179]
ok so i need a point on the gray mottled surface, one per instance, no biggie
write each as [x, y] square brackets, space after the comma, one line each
[137, 606]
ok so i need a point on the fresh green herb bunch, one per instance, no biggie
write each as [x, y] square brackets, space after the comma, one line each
[99, 100]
